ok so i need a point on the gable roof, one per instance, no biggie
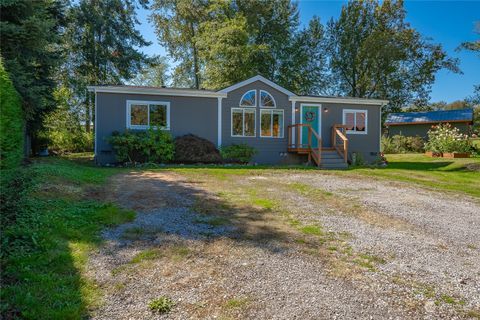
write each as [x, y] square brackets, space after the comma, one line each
[257, 78]
[462, 115]
[182, 92]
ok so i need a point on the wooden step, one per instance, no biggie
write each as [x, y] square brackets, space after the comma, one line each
[334, 166]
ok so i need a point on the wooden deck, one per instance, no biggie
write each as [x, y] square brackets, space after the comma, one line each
[336, 155]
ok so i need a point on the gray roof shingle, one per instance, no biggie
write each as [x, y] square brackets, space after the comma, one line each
[430, 116]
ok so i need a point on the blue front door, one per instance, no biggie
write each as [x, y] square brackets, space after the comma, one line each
[310, 115]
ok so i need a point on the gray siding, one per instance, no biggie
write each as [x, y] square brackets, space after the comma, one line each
[187, 115]
[368, 145]
[270, 150]
[421, 130]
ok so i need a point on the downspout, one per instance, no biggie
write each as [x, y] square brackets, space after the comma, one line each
[95, 130]
[219, 122]
[293, 121]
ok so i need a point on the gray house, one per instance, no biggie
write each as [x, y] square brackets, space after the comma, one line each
[284, 128]
[419, 123]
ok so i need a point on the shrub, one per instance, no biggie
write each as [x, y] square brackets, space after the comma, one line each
[402, 144]
[192, 149]
[240, 153]
[447, 139]
[11, 123]
[161, 305]
[143, 146]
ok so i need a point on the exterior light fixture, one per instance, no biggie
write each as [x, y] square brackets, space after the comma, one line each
[325, 109]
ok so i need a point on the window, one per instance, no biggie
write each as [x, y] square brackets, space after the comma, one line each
[249, 99]
[356, 121]
[146, 114]
[271, 123]
[243, 122]
[266, 100]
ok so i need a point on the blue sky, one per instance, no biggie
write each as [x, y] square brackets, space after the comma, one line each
[446, 22]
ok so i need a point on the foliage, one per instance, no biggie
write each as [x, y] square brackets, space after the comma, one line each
[402, 144]
[101, 46]
[192, 149]
[11, 123]
[240, 153]
[153, 74]
[45, 248]
[152, 145]
[176, 25]
[30, 46]
[472, 45]
[161, 305]
[374, 53]
[63, 130]
[357, 159]
[447, 139]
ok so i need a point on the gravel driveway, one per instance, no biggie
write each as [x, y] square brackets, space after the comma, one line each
[277, 244]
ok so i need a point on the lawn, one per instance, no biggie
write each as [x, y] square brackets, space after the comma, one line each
[459, 175]
[45, 250]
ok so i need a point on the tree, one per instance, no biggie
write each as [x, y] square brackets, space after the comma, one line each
[30, 37]
[176, 24]
[101, 47]
[472, 45]
[374, 53]
[153, 74]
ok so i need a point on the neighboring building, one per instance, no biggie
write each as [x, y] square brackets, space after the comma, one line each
[418, 123]
[278, 123]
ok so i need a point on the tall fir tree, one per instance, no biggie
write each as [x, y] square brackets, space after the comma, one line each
[101, 47]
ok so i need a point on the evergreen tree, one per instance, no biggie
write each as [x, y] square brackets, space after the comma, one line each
[30, 36]
[101, 46]
[153, 74]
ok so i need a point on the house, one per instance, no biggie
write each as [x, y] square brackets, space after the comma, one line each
[284, 128]
[419, 123]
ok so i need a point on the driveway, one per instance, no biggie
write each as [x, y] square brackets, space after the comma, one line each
[287, 244]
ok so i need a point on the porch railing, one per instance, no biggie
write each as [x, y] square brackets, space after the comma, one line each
[296, 144]
[340, 141]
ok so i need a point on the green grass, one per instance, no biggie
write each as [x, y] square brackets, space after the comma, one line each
[45, 251]
[459, 175]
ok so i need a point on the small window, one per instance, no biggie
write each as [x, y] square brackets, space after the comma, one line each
[266, 100]
[355, 121]
[271, 123]
[146, 114]
[243, 122]
[249, 99]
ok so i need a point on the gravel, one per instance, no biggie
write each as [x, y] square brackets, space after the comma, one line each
[429, 240]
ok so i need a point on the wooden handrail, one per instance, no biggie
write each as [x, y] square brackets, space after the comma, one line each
[315, 153]
[336, 131]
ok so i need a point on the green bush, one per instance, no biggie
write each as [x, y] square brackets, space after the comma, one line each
[240, 153]
[151, 145]
[11, 123]
[447, 139]
[402, 144]
[161, 305]
[192, 149]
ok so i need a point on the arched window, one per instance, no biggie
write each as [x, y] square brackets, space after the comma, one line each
[266, 100]
[249, 99]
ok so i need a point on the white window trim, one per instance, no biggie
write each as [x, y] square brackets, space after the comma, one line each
[260, 100]
[271, 111]
[241, 99]
[243, 122]
[355, 111]
[148, 103]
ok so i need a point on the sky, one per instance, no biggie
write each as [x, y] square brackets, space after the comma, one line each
[446, 22]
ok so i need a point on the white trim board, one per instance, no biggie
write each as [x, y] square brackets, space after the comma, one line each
[341, 100]
[355, 111]
[157, 91]
[257, 78]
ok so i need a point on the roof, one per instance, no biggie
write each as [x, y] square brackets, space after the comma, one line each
[258, 78]
[461, 115]
[185, 92]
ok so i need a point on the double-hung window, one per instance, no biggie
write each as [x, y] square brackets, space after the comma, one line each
[355, 121]
[148, 114]
[243, 122]
[271, 123]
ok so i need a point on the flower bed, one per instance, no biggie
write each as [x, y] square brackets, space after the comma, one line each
[447, 141]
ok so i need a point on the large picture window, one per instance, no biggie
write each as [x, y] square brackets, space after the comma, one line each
[355, 121]
[271, 123]
[243, 122]
[147, 114]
